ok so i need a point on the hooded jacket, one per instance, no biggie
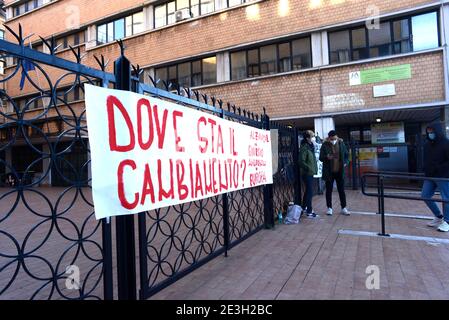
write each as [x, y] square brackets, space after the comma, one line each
[436, 154]
[326, 149]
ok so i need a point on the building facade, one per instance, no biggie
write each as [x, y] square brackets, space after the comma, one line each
[375, 71]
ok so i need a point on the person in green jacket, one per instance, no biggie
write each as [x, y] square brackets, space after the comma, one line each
[309, 168]
[335, 158]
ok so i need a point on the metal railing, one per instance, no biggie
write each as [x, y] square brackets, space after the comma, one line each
[381, 195]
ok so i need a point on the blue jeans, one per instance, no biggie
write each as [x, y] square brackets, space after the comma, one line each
[428, 190]
[308, 194]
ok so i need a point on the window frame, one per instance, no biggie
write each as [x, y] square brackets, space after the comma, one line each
[200, 3]
[392, 40]
[277, 62]
[113, 22]
[190, 62]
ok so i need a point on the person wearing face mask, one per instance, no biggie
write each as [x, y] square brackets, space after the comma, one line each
[335, 157]
[436, 164]
[309, 168]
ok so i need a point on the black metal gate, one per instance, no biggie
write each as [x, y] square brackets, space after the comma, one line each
[51, 246]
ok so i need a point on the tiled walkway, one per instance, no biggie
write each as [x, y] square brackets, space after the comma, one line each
[313, 260]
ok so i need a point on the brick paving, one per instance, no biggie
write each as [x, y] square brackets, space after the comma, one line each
[313, 261]
[306, 261]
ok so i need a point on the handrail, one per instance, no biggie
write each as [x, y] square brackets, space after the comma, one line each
[380, 195]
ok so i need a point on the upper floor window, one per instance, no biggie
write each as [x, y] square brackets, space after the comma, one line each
[71, 40]
[120, 28]
[27, 6]
[189, 74]
[281, 57]
[2, 34]
[402, 35]
[177, 10]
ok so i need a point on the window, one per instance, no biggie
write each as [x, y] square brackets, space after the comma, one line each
[207, 6]
[301, 51]
[414, 33]
[184, 74]
[27, 6]
[339, 46]
[210, 70]
[160, 16]
[425, 31]
[188, 74]
[161, 74]
[401, 36]
[196, 73]
[284, 57]
[232, 3]
[2, 34]
[380, 41]
[253, 63]
[238, 65]
[120, 28]
[270, 59]
[164, 14]
[359, 44]
[171, 9]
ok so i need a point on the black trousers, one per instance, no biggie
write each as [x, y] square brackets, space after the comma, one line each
[308, 194]
[340, 187]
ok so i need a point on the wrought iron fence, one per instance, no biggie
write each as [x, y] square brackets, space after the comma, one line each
[49, 237]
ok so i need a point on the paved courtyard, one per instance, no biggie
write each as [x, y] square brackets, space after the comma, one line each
[313, 260]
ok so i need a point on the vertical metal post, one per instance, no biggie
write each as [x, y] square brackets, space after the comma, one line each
[382, 208]
[297, 172]
[268, 189]
[126, 255]
[107, 259]
[225, 204]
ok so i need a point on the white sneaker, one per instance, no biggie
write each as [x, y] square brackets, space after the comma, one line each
[345, 212]
[329, 211]
[444, 227]
[435, 223]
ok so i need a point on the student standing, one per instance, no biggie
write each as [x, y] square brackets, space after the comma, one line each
[335, 157]
[309, 168]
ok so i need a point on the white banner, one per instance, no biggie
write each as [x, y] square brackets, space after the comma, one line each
[147, 153]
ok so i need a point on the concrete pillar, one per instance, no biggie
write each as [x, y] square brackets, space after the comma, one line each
[325, 48]
[223, 67]
[46, 165]
[91, 37]
[444, 16]
[317, 56]
[323, 126]
[148, 17]
[320, 52]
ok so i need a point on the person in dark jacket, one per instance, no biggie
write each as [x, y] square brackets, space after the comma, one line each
[436, 164]
[335, 157]
[309, 168]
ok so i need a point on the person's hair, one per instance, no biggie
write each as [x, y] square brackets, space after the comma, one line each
[332, 133]
[308, 134]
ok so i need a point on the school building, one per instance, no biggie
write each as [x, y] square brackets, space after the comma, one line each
[375, 71]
